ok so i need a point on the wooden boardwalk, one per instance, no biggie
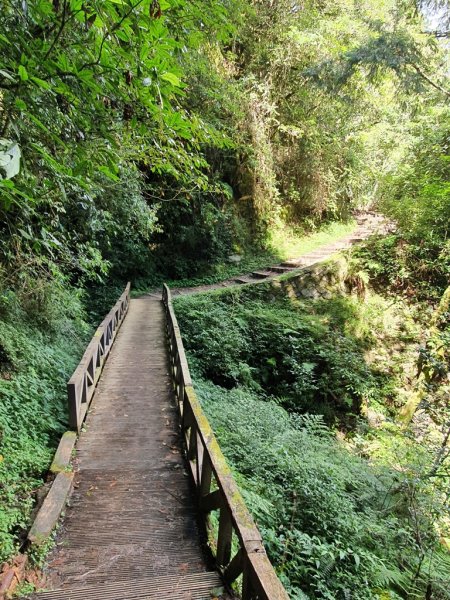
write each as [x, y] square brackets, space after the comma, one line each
[131, 528]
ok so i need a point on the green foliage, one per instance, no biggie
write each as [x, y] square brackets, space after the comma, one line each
[334, 525]
[417, 258]
[198, 232]
[359, 514]
[329, 91]
[307, 362]
[36, 361]
[94, 97]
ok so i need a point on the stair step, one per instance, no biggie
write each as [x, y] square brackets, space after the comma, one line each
[291, 264]
[278, 269]
[259, 275]
[199, 586]
[240, 280]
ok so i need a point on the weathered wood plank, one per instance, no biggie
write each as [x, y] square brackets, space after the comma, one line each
[223, 554]
[63, 454]
[235, 568]
[263, 578]
[212, 501]
[51, 509]
[245, 527]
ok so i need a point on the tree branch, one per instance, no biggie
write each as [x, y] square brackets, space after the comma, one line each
[58, 33]
[435, 85]
[438, 34]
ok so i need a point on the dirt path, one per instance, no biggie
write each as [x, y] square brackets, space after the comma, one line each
[368, 223]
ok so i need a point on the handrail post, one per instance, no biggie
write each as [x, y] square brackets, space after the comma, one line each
[224, 538]
[73, 406]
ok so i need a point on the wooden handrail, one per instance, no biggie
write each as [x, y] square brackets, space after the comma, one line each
[215, 485]
[81, 386]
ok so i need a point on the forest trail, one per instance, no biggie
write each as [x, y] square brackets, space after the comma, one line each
[131, 528]
[368, 223]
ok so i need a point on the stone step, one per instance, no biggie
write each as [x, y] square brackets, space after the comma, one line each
[290, 264]
[259, 275]
[280, 269]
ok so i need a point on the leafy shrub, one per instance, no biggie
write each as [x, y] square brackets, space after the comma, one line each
[276, 347]
[39, 352]
[335, 526]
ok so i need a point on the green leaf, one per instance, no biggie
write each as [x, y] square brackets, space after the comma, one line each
[171, 78]
[20, 104]
[23, 73]
[41, 83]
[122, 35]
[106, 171]
[6, 75]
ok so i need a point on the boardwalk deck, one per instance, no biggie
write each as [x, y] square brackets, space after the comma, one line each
[131, 529]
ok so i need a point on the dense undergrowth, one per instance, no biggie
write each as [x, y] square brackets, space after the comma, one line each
[307, 398]
[302, 358]
[334, 524]
[39, 351]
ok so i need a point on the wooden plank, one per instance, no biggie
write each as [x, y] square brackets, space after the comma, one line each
[73, 405]
[206, 476]
[212, 501]
[63, 454]
[51, 509]
[263, 578]
[235, 568]
[224, 539]
[177, 338]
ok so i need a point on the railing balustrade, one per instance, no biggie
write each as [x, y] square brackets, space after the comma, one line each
[216, 487]
[81, 386]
